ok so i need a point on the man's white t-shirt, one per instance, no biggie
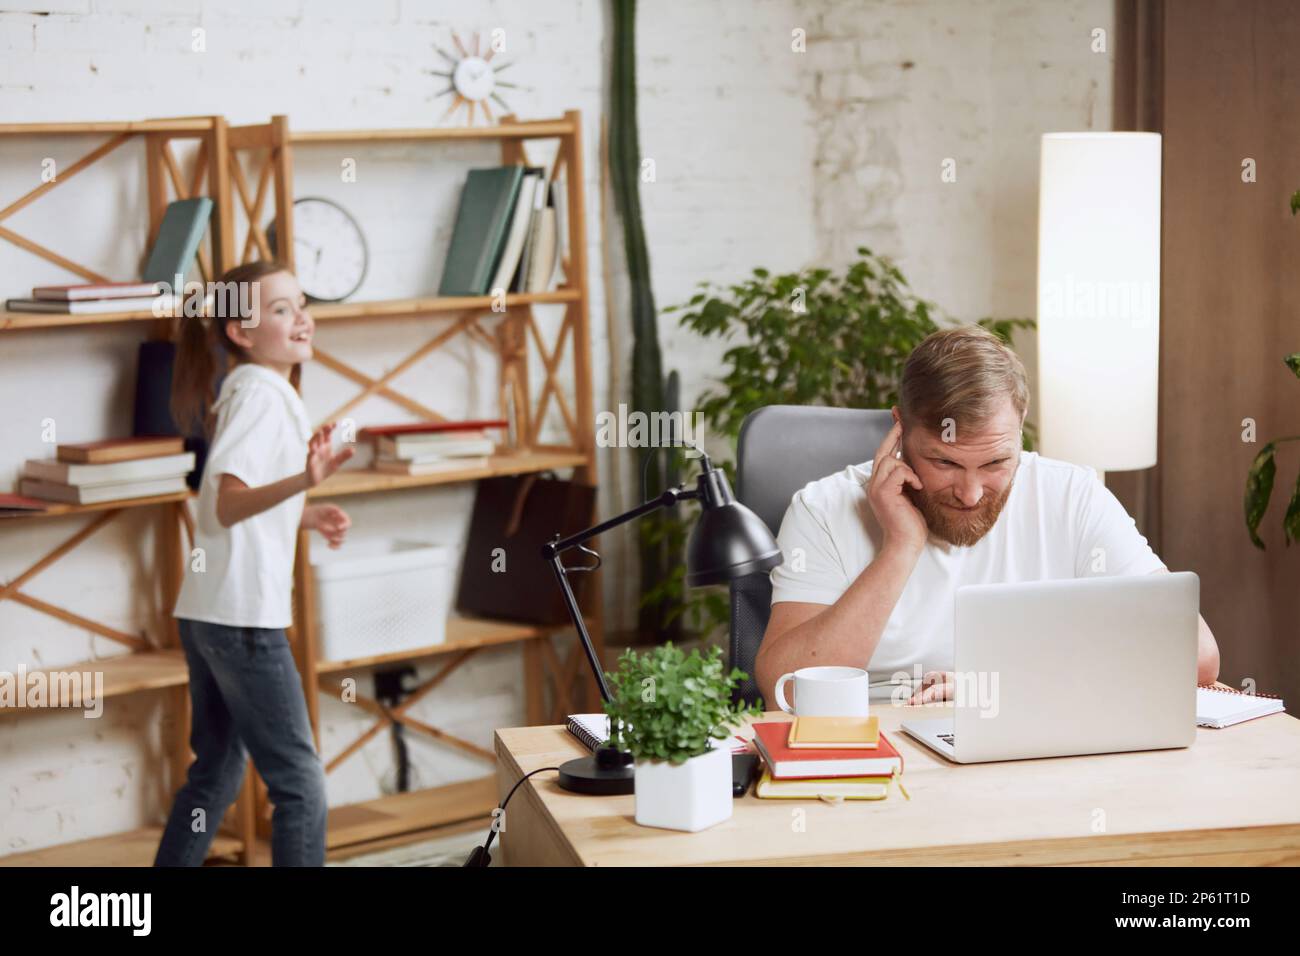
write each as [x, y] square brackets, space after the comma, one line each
[1059, 521]
[244, 575]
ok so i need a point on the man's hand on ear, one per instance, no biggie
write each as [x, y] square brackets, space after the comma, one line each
[900, 520]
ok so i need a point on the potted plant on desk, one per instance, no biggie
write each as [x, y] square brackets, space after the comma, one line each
[668, 710]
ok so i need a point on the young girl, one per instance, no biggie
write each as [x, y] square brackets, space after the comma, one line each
[234, 602]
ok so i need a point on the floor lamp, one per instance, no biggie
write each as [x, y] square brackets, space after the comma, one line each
[1099, 298]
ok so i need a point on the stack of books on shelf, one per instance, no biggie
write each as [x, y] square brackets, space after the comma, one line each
[508, 233]
[159, 288]
[425, 448]
[93, 298]
[113, 470]
[833, 758]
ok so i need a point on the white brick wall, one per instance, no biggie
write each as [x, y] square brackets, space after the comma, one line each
[763, 157]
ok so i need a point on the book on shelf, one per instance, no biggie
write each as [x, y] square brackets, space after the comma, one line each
[97, 290]
[121, 449]
[560, 200]
[95, 494]
[404, 466]
[179, 235]
[107, 473]
[16, 505]
[541, 266]
[432, 428]
[520, 221]
[519, 283]
[82, 306]
[430, 447]
[482, 220]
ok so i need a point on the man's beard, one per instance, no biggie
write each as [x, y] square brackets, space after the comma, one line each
[962, 528]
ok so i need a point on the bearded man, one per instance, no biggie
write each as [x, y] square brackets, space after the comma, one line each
[875, 553]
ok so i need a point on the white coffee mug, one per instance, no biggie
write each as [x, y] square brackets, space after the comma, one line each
[826, 692]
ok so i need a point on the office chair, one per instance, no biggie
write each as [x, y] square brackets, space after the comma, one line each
[781, 448]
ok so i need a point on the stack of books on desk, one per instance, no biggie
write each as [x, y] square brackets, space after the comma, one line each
[425, 448]
[845, 758]
[113, 470]
[90, 299]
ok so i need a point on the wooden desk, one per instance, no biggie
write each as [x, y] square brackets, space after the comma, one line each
[1233, 798]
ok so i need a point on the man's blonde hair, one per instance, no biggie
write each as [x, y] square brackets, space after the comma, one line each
[963, 374]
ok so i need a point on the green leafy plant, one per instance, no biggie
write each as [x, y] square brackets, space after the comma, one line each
[1259, 480]
[666, 705]
[814, 338]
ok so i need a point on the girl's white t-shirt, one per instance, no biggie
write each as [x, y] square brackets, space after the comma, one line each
[1059, 521]
[242, 576]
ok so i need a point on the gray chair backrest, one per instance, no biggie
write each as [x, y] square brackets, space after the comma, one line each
[781, 448]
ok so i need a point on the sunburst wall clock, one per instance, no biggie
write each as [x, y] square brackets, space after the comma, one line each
[473, 81]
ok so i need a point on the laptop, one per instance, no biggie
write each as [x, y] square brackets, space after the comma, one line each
[1060, 668]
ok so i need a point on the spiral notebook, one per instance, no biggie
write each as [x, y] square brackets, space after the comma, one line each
[1220, 707]
[593, 730]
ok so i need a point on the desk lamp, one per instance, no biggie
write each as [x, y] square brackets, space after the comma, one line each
[728, 541]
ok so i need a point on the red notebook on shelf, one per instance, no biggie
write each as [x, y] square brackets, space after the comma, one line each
[11, 505]
[787, 763]
[430, 428]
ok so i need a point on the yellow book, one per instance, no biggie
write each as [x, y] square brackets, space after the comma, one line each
[831, 788]
[834, 733]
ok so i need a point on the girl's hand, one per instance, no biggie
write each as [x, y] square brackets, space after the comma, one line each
[321, 461]
[330, 520]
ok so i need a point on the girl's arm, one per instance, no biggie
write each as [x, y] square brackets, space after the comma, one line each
[236, 501]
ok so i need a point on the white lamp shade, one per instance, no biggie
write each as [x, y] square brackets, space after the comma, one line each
[1099, 298]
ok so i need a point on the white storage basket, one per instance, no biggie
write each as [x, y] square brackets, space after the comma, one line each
[378, 597]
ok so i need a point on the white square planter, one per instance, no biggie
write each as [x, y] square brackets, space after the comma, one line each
[689, 796]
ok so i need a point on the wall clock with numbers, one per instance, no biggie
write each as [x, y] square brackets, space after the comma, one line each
[330, 255]
[473, 79]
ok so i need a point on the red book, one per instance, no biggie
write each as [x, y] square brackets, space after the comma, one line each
[96, 290]
[787, 763]
[20, 505]
[430, 428]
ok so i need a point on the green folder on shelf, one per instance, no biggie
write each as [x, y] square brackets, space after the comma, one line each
[486, 206]
[178, 240]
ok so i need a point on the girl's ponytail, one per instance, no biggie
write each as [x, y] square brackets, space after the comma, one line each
[193, 372]
[202, 343]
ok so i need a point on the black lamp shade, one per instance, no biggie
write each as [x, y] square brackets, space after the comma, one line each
[729, 542]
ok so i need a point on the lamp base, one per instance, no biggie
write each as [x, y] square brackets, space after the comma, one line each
[607, 773]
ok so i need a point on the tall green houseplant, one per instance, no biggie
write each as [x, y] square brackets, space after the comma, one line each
[657, 536]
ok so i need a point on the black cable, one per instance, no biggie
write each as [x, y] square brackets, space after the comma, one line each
[479, 856]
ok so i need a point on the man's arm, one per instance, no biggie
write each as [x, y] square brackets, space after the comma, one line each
[1207, 650]
[846, 632]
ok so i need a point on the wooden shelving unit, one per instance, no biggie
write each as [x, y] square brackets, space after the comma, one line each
[265, 150]
[156, 663]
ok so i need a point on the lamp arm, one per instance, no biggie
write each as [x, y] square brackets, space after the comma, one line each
[552, 551]
[666, 500]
